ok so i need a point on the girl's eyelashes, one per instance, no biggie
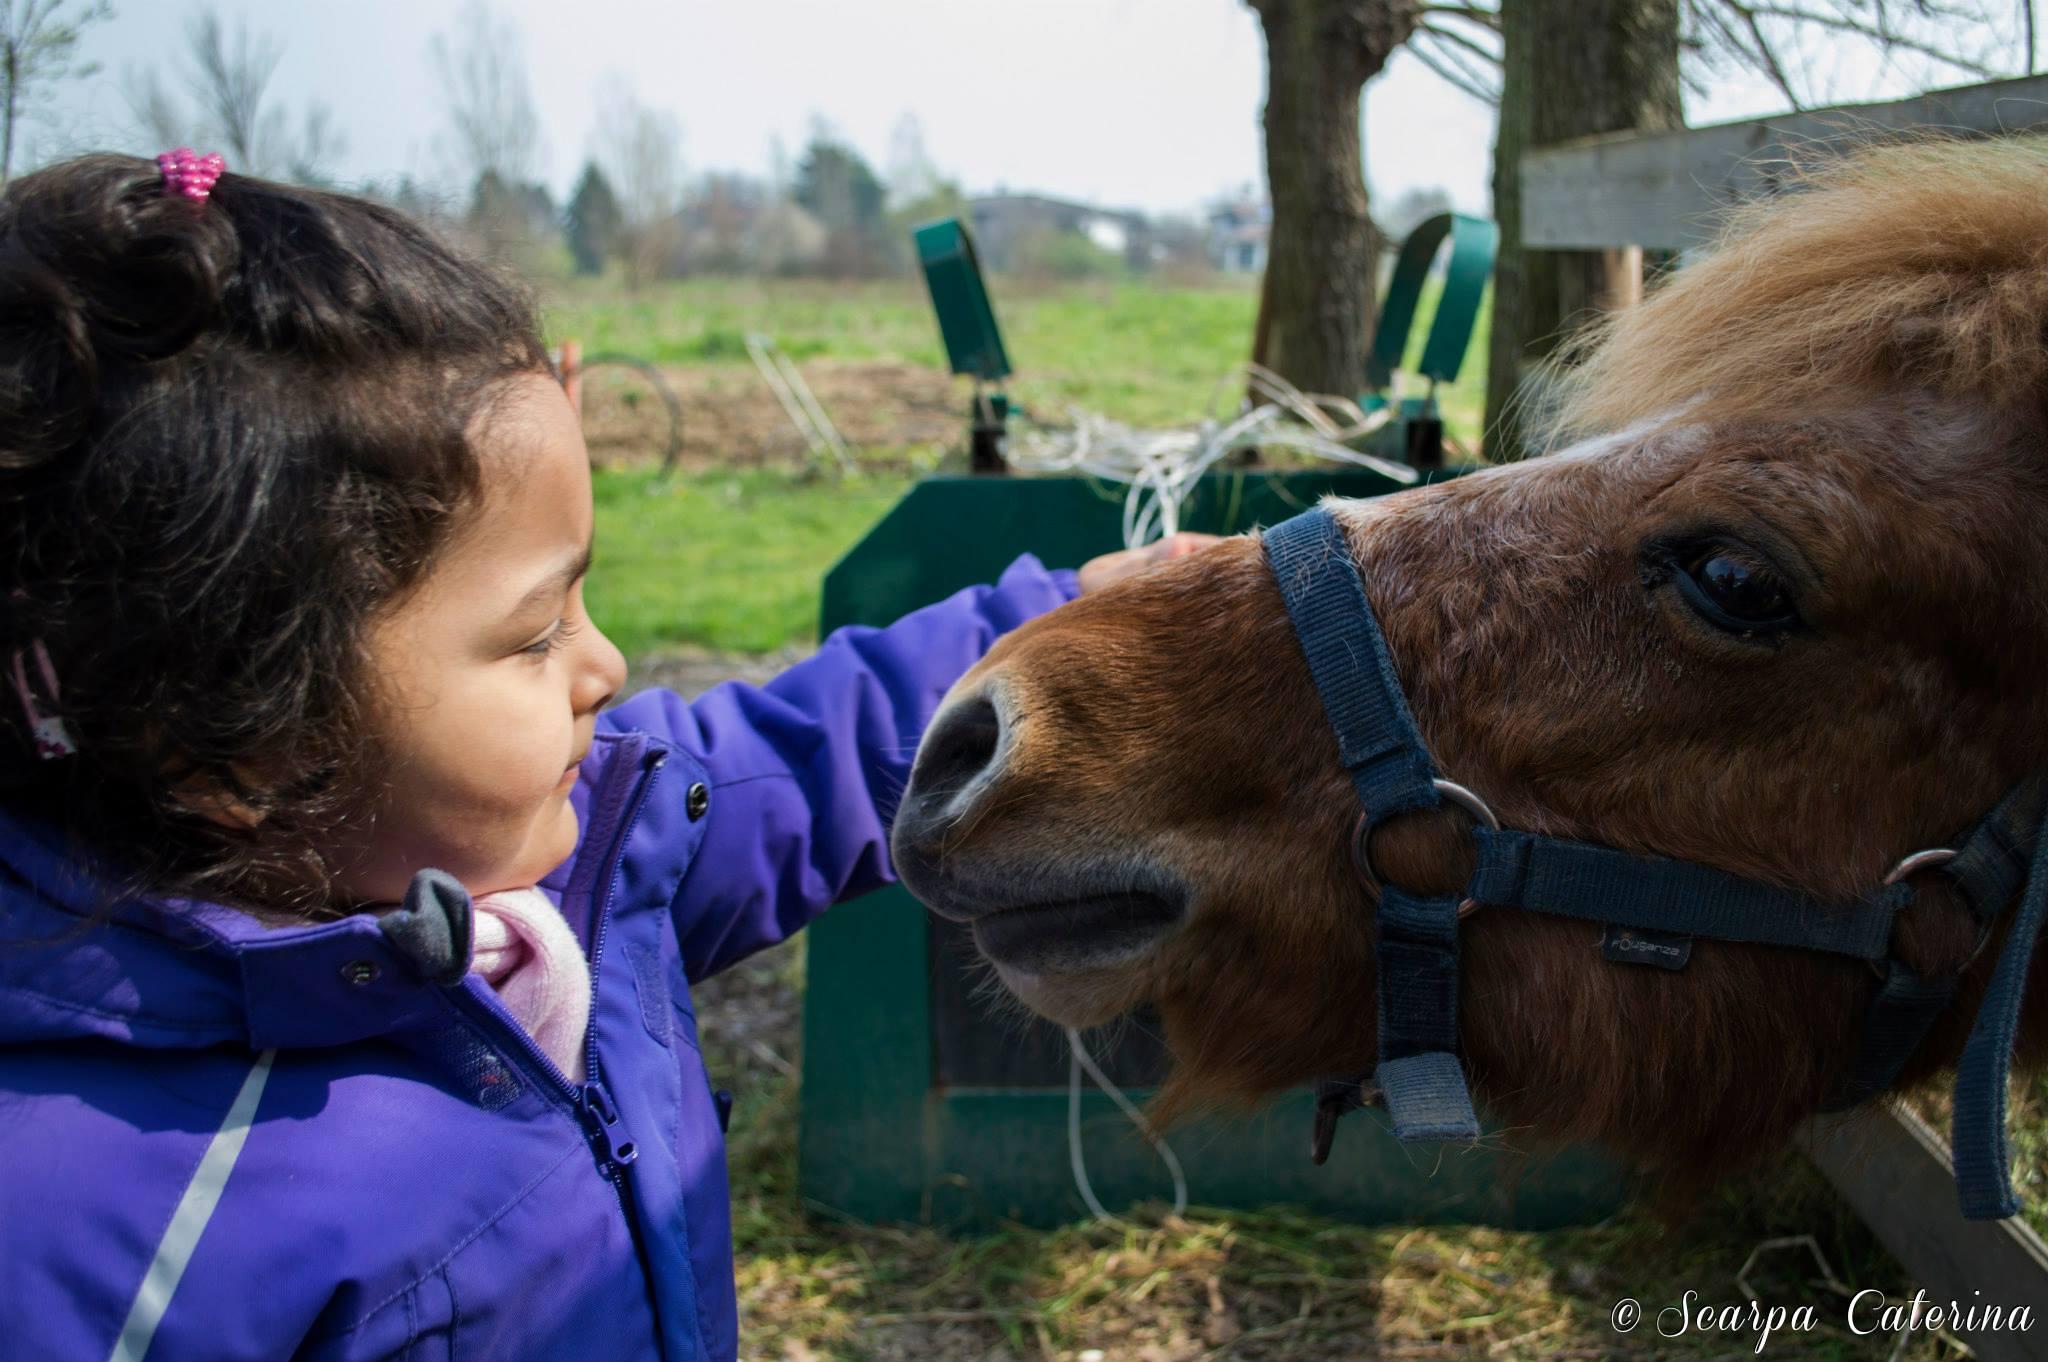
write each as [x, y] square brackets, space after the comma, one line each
[557, 637]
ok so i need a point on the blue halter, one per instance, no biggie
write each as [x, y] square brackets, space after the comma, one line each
[1657, 904]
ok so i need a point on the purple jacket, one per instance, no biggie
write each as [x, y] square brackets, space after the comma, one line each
[224, 1142]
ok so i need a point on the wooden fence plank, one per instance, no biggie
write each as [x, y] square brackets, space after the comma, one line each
[1666, 190]
[1896, 1172]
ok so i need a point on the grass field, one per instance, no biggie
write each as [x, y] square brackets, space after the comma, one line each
[1143, 353]
[725, 561]
[731, 560]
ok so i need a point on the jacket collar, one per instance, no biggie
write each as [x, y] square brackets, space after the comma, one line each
[189, 973]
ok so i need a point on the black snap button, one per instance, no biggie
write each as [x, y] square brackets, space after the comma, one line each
[697, 801]
[360, 971]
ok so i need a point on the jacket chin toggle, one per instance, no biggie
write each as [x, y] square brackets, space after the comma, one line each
[434, 931]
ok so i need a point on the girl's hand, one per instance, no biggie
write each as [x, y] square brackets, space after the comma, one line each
[1097, 573]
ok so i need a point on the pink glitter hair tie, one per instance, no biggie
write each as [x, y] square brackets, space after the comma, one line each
[188, 174]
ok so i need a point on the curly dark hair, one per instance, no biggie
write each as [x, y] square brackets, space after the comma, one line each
[231, 433]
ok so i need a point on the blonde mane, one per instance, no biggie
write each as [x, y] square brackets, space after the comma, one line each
[1918, 264]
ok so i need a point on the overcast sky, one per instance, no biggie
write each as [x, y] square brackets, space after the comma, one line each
[1150, 104]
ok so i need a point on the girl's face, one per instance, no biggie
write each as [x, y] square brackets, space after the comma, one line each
[491, 675]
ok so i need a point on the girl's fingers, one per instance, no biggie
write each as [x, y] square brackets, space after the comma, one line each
[1111, 567]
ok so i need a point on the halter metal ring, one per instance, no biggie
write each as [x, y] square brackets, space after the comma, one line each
[1919, 861]
[1450, 790]
[1913, 864]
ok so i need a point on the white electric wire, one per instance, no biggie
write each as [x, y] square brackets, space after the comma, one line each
[1080, 1059]
[1161, 466]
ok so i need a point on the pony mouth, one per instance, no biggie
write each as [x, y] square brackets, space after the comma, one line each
[1073, 935]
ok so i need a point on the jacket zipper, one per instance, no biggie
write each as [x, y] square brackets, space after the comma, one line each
[591, 1099]
[604, 909]
[600, 1113]
[601, 1116]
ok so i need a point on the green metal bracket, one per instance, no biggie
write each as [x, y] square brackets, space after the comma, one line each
[1417, 433]
[1474, 242]
[967, 320]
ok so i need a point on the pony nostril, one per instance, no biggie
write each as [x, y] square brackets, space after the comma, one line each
[958, 749]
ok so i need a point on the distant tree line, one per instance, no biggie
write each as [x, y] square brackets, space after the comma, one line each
[831, 215]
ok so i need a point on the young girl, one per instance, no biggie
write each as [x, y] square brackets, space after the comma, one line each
[345, 933]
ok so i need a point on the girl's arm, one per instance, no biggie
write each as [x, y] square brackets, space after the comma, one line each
[806, 770]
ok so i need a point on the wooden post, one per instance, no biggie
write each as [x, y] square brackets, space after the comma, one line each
[1895, 1171]
[1570, 68]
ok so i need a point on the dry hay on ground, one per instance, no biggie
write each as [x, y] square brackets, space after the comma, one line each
[731, 418]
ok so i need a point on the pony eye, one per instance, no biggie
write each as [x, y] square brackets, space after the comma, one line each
[1734, 593]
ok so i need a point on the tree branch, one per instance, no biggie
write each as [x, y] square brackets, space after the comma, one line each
[1474, 14]
[1476, 49]
[1749, 44]
[1452, 73]
[1880, 33]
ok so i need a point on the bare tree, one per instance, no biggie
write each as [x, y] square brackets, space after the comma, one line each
[38, 48]
[233, 76]
[640, 149]
[1792, 45]
[315, 148]
[912, 176]
[161, 116]
[230, 73]
[491, 114]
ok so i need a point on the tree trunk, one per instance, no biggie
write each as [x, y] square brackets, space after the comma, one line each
[1571, 68]
[13, 76]
[1316, 300]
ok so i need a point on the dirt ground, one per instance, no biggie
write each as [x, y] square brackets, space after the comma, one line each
[732, 418]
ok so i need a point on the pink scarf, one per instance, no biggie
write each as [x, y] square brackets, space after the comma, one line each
[528, 953]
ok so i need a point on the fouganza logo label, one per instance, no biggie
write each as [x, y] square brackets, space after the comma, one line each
[1633, 946]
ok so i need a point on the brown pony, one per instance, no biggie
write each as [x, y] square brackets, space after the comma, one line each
[1782, 610]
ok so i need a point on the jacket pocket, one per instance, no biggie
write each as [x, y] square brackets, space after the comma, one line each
[414, 1326]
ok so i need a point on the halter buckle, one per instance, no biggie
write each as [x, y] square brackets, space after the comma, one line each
[1450, 790]
[1913, 864]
